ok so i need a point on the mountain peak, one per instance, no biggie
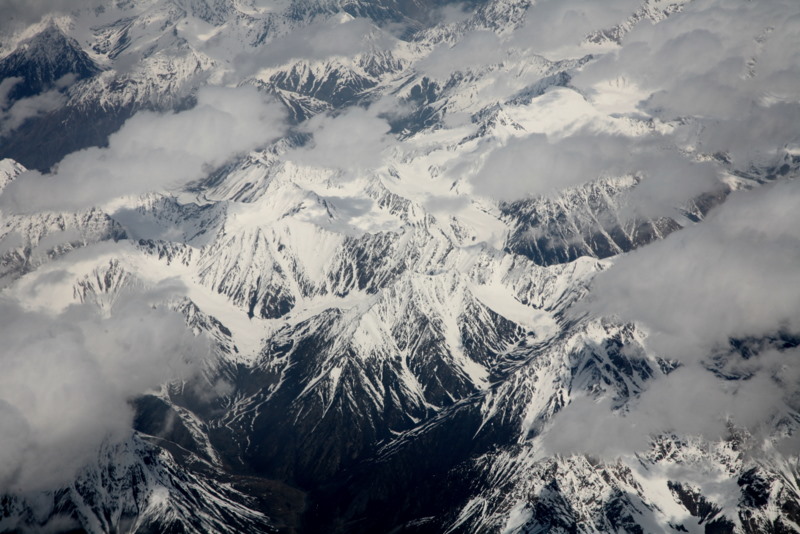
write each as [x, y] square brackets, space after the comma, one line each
[46, 61]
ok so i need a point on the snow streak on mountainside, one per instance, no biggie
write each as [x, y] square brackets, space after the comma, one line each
[400, 266]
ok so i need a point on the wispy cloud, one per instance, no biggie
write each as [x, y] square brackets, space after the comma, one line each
[14, 114]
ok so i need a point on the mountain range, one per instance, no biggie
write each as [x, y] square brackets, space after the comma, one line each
[400, 266]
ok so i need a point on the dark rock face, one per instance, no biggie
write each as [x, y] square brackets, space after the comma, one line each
[50, 61]
[586, 222]
[43, 60]
[41, 142]
[591, 221]
[694, 502]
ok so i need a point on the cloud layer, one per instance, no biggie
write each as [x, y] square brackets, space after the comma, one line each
[353, 140]
[68, 377]
[341, 36]
[733, 277]
[560, 26]
[715, 78]
[733, 66]
[535, 165]
[18, 13]
[477, 50]
[153, 151]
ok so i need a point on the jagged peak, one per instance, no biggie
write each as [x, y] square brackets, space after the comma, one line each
[48, 43]
[9, 169]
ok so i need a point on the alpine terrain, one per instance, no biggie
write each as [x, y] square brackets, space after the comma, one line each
[384, 266]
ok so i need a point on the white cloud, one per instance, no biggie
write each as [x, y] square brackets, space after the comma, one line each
[475, 50]
[559, 26]
[535, 165]
[353, 140]
[19, 13]
[452, 13]
[733, 276]
[341, 36]
[724, 73]
[14, 114]
[690, 401]
[153, 151]
[732, 66]
[68, 378]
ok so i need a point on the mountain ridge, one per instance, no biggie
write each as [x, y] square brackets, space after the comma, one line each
[399, 340]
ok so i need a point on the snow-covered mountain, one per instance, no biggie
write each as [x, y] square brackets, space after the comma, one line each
[432, 287]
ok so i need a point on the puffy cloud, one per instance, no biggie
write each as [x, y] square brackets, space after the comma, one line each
[153, 151]
[477, 49]
[690, 401]
[733, 276]
[561, 25]
[732, 66]
[23, 12]
[723, 73]
[353, 140]
[726, 74]
[536, 165]
[341, 36]
[68, 378]
[453, 13]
